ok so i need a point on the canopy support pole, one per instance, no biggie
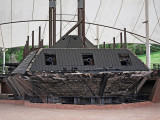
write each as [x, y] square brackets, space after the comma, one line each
[147, 34]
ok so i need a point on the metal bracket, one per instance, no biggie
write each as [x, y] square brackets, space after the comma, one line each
[52, 4]
[80, 4]
[145, 21]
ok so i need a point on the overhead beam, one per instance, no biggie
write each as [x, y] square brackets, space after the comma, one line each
[85, 23]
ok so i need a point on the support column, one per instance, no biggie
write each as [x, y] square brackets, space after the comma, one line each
[147, 34]
[93, 101]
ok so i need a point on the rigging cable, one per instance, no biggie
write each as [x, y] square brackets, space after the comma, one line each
[60, 18]
[115, 20]
[33, 9]
[101, 25]
[43, 35]
[138, 19]
[32, 14]
[91, 30]
[155, 28]
[67, 23]
[95, 16]
[143, 41]
[158, 19]
[118, 14]
[156, 11]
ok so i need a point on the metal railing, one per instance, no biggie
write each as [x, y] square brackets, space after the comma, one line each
[87, 100]
[156, 66]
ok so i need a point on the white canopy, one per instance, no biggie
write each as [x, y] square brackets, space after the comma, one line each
[120, 14]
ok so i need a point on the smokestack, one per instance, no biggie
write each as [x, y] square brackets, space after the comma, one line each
[32, 40]
[114, 42]
[104, 45]
[125, 39]
[39, 35]
[41, 43]
[121, 41]
[27, 45]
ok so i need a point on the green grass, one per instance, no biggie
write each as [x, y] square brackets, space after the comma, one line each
[155, 57]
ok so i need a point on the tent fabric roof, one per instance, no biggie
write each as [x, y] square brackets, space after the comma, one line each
[121, 14]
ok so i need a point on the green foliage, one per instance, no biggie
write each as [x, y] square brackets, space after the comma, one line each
[138, 49]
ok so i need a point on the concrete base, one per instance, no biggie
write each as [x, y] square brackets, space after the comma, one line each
[155, 95]
[0, 88]
[77, 107]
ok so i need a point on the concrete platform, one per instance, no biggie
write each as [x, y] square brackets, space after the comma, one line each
[19, 112]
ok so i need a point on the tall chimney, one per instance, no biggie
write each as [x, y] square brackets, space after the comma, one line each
[32, 40]
[104, 45]
[52, 22]
[114, 42]
[121, 41]
[39, 36]
[125, 39]
[81, 16]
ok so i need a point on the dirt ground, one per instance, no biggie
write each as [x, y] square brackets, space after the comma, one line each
[18, 112]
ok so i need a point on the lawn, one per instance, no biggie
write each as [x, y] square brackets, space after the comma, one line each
[155, 57]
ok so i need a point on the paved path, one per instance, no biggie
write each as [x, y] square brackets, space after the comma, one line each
[17, 112]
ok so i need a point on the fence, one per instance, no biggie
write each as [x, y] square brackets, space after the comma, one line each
[88, 100]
